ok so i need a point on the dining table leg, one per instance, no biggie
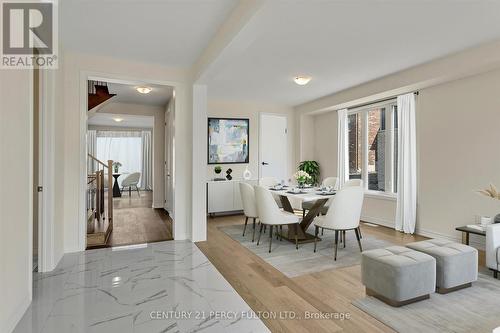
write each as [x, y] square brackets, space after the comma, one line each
[302, 235]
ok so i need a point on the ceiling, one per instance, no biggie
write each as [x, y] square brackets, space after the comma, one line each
[345, 43]
[168, 32]
[108, 119]
[125, 93]
[340, 43]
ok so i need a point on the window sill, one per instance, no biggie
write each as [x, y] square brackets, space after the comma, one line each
[380, 195]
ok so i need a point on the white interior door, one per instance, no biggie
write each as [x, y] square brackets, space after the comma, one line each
[273, 146]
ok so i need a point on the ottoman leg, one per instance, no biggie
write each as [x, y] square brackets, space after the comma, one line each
[442, 290]
[394, 303]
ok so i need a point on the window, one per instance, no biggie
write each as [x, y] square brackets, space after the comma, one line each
[123, 147]
[372, 146]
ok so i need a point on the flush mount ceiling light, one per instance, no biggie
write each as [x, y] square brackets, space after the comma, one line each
[302, 80]
[144, 90]
[118, 119]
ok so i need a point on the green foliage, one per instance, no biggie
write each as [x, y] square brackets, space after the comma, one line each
[312, 168]
[218, 169]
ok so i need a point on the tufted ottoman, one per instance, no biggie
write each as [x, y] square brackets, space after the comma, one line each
[398, 275]
[456, 263]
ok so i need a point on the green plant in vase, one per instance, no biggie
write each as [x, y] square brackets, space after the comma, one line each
[116, 166]
[302, 178]
[312, 168]
[217, 170]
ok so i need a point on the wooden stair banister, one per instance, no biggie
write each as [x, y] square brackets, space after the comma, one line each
[99, 227]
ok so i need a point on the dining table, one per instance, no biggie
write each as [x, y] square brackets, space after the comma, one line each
[319, 198]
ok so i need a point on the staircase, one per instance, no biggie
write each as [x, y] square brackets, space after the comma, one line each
[98, 93]
[99, 203]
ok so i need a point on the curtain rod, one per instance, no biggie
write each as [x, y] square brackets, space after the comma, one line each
[377, 101]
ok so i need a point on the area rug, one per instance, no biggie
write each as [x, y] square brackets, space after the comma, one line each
[292, 262]
[475, 309]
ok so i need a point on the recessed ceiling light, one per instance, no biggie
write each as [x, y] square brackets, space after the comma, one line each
[144, 90]
[118, 119]
[302, 80]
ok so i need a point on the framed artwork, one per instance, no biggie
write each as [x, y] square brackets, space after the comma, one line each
[228, 140]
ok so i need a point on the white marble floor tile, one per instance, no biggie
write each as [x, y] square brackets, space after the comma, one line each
[160, 287]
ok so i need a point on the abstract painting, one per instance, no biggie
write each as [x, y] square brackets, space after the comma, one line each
[228, 140]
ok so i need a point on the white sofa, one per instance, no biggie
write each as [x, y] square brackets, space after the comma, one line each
[493, 248]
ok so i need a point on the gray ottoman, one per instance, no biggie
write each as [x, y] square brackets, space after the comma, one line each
[398, 275]
[456, 263]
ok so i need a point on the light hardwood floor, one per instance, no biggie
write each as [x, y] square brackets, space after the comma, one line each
[265, 288]
[135, 222]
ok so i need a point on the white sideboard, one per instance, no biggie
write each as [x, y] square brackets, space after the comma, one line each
[224, 195]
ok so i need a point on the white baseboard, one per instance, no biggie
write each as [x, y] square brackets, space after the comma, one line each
[378, 221]
[475, 241]
[16, 315]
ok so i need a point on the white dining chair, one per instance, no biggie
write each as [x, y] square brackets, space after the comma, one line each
[268, 182]
[132, 180]
[270, 214]
[343, 215]
[249, 206]
[332, 182]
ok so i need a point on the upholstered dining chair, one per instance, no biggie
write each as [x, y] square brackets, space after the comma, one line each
[343, 215]
[132, 180]
[270, 214]
[269, 182]
[328, 181]
[249, 205]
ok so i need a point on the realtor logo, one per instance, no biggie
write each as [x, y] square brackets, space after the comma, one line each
[29, 34]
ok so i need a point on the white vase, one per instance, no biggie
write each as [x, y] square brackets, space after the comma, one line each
[247, 174]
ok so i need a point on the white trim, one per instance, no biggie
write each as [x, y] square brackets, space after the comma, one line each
[378, 221]
[259, 169]
[83, 100]
[46, 251]
[380, 195]
[11, 322]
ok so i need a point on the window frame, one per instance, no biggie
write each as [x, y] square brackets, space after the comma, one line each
[391, 106]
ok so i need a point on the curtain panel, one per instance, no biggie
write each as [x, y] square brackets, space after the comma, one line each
[342, 151]
[406, 208]
[146, 170]
[91, 149]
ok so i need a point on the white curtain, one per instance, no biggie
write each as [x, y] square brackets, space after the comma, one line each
[406, 209]
[121, 146]
[91, 149]
[146, 174]
[342, 151]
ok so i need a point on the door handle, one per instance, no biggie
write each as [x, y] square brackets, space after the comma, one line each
[265, 163]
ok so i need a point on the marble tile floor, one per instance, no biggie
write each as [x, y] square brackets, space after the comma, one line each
[159, 287]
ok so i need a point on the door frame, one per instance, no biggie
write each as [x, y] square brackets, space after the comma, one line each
[109, 77]
[260, 141]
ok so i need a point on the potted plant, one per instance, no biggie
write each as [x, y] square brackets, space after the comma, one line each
[312, 168]
[116, 166]
[217, 169]
[302, 178]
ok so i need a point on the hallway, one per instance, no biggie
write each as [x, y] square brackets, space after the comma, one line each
[135, 222]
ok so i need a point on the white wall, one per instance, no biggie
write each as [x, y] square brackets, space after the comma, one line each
[77, 67]
[234, 109]
[457, 134]
[15, 195]
[158, 141]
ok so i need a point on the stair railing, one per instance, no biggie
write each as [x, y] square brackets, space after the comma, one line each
[96, 203]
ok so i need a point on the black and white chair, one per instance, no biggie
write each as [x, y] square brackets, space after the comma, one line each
[249, 206]
[343, 215]
[270, 214]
